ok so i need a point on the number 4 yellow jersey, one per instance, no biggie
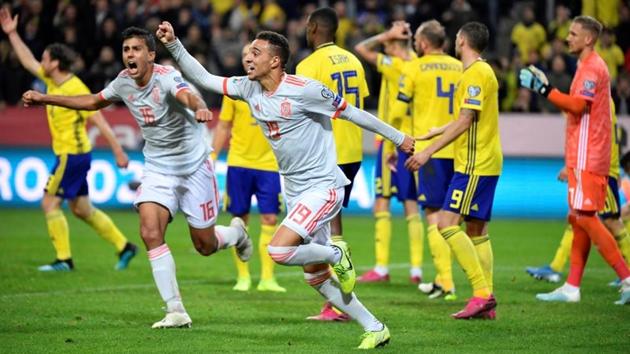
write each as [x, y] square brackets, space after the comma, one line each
[342, 72]
[429, 83]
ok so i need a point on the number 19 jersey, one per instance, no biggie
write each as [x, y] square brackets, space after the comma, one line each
[342, 72]
[429, 83]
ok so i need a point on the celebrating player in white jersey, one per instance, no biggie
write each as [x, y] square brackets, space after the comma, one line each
[295, 115]
[178, 172]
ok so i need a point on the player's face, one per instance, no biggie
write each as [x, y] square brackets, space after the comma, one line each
[577, 38]
[243, 55]
[137, 58]
[259, 60]
[390, 48]
[459, 42]
[48, 64]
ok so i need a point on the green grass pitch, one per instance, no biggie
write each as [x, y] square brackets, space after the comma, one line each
[97, 309]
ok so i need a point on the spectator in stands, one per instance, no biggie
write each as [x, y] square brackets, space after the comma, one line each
[606, 11]
[558, 28]
[558, 77]
[528, 34]
[104, 69]
[611, 53]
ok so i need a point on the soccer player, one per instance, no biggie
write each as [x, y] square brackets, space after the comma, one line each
[429, 84]
[295, 114]
[587, 159]
[178, 172]
[478, 163]
[342, 72]
[252, 170]
[72, 149]
[610, 215]
[394, 179]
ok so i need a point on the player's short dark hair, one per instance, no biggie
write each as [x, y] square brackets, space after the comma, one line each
[131, 32]
[63, 54]
[433, 32]
[278, 43]
[477, 35]
[590, 24]
[327, 19]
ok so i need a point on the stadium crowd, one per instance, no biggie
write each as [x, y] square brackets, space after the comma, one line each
[215, 31]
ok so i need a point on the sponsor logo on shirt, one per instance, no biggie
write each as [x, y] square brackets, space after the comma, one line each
[181, 86]
[178, 79]
[587, 93]
[336, 101]
[471, 101]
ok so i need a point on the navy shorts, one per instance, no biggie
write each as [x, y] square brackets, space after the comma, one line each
[433, 181]
[68, 177]
[401, 183]
[471, 196]
[612, 208]
[243, 183]
[350, 170]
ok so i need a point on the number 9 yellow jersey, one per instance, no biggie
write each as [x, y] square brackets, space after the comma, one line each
[343, 73]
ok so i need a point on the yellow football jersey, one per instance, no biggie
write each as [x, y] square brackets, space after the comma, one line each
[343, 73]
[614, 147]
[248, 146]
[391, 68]
[67, 126]
[429, 83]
[478, 150]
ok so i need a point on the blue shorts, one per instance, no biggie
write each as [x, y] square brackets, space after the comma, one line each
[401, 183]
[612, 208]
[350, 170]
[434, 179]
[471, 196]
[68, 177]
[242, 183]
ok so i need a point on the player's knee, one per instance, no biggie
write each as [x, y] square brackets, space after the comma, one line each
[151, 235]
[205, 249]
[79, 212]
[268, 219]
[281, 254]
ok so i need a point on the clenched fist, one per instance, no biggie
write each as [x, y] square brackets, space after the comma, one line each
[32, 97]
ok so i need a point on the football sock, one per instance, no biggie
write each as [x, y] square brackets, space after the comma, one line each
[227, 236]
[580, 249]
[266, 263]
[416, 240]
[605, 242]
[348, 303]
[310, 253]
[483, 246]
[623, 241]
[106, 229]
[465, 253]
[441, 253]
[382, 238]
[59, 233]
[242, 268]
[563, 251]
[336, 238]
[163, 267]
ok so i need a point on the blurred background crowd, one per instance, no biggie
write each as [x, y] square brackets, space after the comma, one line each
[522, 33]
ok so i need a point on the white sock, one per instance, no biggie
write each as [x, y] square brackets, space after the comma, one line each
[227, 236]
[311, 253]
[163, 267]
[348, 303]
[570, 288]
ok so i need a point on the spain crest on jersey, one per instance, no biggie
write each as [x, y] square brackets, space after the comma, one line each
[285, 108]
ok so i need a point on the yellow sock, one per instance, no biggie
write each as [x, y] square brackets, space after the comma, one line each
[336, 238]
[623, 241]
[415, 227]
[486, 258]
[266, 263]
[441, 254]
[59, 233]
[106, 229]
[465, 253]
[563, 251]
[242, 268]
[382, 237]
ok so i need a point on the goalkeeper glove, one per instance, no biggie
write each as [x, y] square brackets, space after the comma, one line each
[534, 79]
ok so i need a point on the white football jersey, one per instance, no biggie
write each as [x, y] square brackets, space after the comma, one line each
[296, 119]
[174, 140]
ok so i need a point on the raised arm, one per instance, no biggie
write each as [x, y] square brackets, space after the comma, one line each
[367, 48]
[9, 26]
[82, 102]
[192, 69]
[122, 160]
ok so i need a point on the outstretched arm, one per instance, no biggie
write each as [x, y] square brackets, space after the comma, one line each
[191, 68]
[9, 26]
[122, 160]
[82, 102]
[196, 104]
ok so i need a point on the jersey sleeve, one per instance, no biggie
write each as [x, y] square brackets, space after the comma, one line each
[40, 75]
[174, 82]
[586, 83]
[474, 91]
[227, 109]
[238, 87]
[386, 65]
[320, 99]
[365, 90]
[111, 91]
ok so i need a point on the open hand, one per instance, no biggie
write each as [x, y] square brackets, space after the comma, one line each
[8, 24]
[416, 161]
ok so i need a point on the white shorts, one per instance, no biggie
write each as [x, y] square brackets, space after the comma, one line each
[310, 214]
[195, 194]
